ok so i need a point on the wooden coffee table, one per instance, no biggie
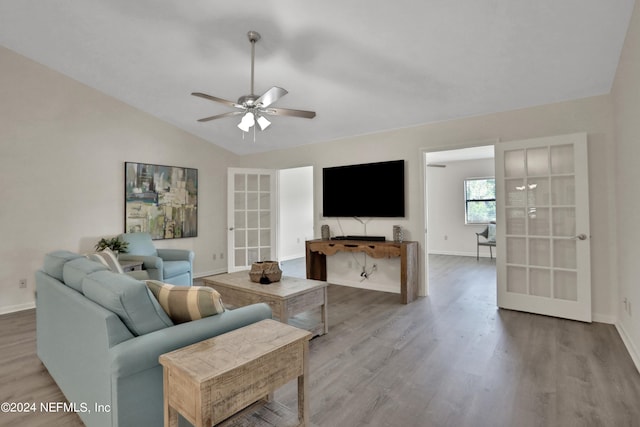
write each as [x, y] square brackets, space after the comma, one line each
[214, 379]
[288, 297]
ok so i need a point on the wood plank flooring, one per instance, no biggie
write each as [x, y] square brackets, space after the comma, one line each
[452, 359]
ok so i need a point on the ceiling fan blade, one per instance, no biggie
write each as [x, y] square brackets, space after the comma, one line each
[289, 112]
[216, 99]
[220, 116]
[271, 96]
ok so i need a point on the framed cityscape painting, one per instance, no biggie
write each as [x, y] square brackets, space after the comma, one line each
[161, 200]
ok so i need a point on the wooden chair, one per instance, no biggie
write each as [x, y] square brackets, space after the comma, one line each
[489, 235]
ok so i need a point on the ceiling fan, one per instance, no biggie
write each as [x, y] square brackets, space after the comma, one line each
[254, 108]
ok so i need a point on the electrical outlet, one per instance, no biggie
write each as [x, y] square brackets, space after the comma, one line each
[22, 283]
[214, 257]
[221, 255]
[446, 237]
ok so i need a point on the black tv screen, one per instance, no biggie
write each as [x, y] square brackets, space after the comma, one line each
[365, 190]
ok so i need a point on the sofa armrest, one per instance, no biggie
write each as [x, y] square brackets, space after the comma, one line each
[142, 352]
[176, 255]
[149, 262]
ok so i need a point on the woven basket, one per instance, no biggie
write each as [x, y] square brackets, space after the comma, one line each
[265, 272]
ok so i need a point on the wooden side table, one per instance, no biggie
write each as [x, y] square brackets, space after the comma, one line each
[131, 265]
[210, 381]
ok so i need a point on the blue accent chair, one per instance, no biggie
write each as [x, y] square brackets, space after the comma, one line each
[174, 266]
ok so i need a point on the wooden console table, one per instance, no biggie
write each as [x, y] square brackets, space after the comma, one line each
[318, 250]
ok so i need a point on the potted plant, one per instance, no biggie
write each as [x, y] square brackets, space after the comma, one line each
[115, 244]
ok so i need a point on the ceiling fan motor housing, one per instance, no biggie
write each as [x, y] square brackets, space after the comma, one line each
[247, 100]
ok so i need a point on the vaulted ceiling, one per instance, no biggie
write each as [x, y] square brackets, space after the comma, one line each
[363, 66]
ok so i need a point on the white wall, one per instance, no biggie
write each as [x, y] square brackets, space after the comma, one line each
[62, 151]
[447, 232]
[591, 115]
[626, 105]
[295, 187]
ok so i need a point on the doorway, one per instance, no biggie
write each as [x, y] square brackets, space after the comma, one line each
[450, 240]
[295, 218]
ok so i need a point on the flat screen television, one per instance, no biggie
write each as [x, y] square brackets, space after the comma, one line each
[364, 190]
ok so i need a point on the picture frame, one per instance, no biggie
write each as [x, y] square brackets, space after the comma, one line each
[161, 200]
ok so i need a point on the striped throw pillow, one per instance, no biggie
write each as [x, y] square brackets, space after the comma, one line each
[186, 303]
[108, 258]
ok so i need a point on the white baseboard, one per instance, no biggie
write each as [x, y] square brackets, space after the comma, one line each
[365, 285]
[604, 318]
[290, 257]
[458, 253]
[19, 307]
[628, 343]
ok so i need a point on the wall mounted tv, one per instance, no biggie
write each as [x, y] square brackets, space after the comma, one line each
[365, 190]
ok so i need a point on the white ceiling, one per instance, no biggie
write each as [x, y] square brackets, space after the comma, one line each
[363, 66]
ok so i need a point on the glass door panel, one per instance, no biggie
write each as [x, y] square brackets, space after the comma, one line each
[537, 161]
[564, 253]
[514, 163]
[515, 191]
[516, 250]
[540, 252]
[517, 280]
[540, 282]
[562, 159]
[538, 192]
[539, 221]
[564, 190]
[515, 221]
[564, 222]
[566, 285]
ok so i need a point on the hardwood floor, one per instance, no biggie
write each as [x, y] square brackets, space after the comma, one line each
[452, 359]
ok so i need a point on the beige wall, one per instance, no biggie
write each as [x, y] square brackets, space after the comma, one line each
[62, 152]
[626, 106]
[591, 115]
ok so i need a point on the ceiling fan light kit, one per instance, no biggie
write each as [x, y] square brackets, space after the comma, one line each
[253, 108]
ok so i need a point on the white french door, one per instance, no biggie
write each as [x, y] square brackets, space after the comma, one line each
[543, 226]
[251, 217]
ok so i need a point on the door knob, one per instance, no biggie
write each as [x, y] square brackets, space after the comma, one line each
[580, 236]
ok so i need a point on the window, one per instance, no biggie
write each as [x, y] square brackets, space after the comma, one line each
[480, 200]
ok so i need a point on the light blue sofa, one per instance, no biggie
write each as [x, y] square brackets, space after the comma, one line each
[109, 357]
[173, 266]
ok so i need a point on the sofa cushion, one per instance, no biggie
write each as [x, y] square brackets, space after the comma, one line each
[186, 303]
[108, 258]
[75, 270]
[55, 261]
[127, 297]
[491, 232]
